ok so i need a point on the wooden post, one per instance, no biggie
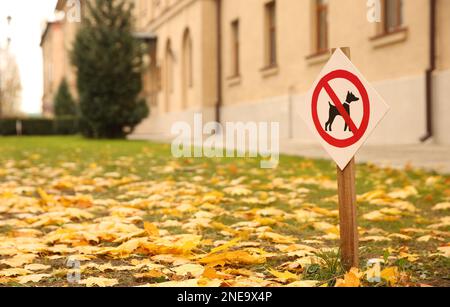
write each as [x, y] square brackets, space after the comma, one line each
[347, 209]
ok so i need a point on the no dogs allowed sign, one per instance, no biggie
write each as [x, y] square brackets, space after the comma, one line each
[342, 109]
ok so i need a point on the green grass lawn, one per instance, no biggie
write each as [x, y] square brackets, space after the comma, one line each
[274, 212]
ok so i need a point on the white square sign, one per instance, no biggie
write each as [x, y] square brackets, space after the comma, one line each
[342, 109]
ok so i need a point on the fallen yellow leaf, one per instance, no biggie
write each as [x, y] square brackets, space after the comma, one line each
[441, 207]
[32, 278]
[303, 284]
[277, 238]
[284, 276]
[226, 246]
[195, 270]
[351, 279]
[99, 282]
[233, 257]
[391, 275]
[151, 229]
[37, 267]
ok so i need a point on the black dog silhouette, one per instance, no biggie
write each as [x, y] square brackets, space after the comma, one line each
[334, 112]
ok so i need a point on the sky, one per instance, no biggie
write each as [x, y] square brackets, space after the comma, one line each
[28, 17]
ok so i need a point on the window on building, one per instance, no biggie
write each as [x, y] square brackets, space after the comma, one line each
[187, 59]
[322, 25]
[271, 34]
[235, 45]
[168, 74]
[392, 15]
[187, 68]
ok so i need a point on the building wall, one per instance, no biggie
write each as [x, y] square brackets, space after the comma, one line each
[443, 35]
[394, 64]
[400, 79]
[441, 111]
[274, 95]
[69, 33]
[56, 44]
[54, 70]
[170, 23]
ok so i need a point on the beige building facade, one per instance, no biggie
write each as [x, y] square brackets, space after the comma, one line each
[272, 51]
[254, 60]
[56, 43]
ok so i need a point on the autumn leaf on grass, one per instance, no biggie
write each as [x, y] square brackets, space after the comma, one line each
[234, 257]
[303, 284]
[128, 247]
[371, 195]
[191, 283]
[32, 278]
[284, 276]
[425, 238]
[150, 274]
[375, 239]
[46, 199]
[37, 267]
[443, 223]
[209, 283]
[271, 212]
[408, 256]
[277, 238]
[225, 246]
[325, 212]
[151, 229]
[176, 245]
[19, 260]
[213, 197]
[390, 275]
[404, 193]
[14, 272]
[351, 279]
[445, 251]
[305, 216]
[441, 207]
[223, 227]
[195, 270]
[404, 206]
[379, 216]
[210, 273]
[238, 191]
[99, 282]
[400, 236]
[326, 227]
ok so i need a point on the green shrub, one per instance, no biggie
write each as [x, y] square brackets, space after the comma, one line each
[63, 102]
[65, 126]
[37, 126]
[8, 127]
[40, 126]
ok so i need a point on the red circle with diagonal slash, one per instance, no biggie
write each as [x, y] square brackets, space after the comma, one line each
[358, 133]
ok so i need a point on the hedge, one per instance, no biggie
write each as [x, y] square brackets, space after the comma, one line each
[39, 126]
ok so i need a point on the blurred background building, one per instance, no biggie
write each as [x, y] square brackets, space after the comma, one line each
[56, 43]
[10, 86]
[254, 60]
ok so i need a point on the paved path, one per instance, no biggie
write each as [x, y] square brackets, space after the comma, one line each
[431, 157]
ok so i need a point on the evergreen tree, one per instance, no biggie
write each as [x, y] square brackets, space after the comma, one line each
[109, 63]
[63, 103]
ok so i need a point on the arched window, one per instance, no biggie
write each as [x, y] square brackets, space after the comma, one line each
[187, 71]
[168, 74]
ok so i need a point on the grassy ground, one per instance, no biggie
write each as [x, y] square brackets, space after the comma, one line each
[127, 213]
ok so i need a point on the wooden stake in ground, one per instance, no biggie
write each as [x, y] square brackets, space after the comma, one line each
[347, 209]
